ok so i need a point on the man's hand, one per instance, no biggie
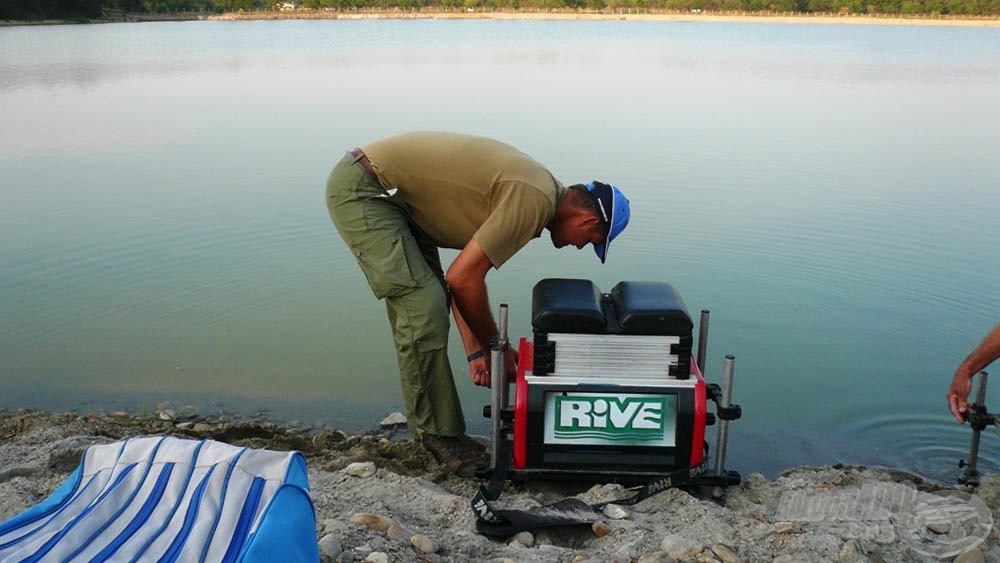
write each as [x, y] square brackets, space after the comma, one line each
[479, 369]
[958, 396]
[961, 384]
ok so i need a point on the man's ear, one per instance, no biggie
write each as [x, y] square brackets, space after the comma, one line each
[589, 220]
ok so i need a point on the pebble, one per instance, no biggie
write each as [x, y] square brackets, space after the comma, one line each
[329, 546]
[424, 544]
[167, 414]
[394, 419]
[524, 538]
[940, 528]
[724, 553]
[397, 532]
[327, 438]
[601, 529]
[849, 552]
[680, 547]
[867, 546]
[542, 537]
[784, 527]
[361, 469]
[615, 512]
[656, 557]
[377, 557]
[718, 537]
[974, 555]
[373, 521]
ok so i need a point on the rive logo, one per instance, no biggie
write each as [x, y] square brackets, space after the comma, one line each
[617, 418]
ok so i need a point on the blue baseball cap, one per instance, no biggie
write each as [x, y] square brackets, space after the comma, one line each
[612, 210]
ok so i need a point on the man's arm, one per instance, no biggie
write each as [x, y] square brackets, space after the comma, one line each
[961, 384]
[470, 303]
[466, 278]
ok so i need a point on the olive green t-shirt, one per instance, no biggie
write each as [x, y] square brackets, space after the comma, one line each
[459, 187]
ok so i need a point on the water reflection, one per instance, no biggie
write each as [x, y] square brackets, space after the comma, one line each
[827, 191]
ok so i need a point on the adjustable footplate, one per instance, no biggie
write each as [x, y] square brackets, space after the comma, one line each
[607, 389]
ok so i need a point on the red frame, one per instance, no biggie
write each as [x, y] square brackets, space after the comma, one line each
[525, 362]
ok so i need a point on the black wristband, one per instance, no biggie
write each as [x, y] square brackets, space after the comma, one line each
[476, 355]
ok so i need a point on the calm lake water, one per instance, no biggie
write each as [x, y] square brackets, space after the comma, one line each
[830, 193]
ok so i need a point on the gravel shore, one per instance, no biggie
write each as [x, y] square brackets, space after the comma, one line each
[380, 497]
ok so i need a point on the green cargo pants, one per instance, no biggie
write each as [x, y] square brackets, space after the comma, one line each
[403, 267]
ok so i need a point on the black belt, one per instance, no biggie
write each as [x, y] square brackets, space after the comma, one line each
[364, 162]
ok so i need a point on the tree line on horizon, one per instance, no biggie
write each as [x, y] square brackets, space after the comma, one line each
[96, 9]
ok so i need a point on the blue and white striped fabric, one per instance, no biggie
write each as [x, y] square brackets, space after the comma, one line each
[168, 499]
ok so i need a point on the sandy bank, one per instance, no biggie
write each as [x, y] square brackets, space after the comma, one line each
[374, 494]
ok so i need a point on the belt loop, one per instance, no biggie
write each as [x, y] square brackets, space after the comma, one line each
[363, 162]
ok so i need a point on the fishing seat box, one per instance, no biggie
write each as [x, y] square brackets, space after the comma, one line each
[608, 387]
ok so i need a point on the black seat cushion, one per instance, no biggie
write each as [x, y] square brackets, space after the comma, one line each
[567, 305]
[654, 308]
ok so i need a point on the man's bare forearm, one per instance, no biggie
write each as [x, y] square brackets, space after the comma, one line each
[466, 280]
[472, 305]
[984, 354]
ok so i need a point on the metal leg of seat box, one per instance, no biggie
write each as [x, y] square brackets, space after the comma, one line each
[499, 388]
[703, 340]
[723, 436]
[979, 419]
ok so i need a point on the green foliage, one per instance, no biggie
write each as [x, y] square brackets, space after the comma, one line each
[50, 9]
[93, 9]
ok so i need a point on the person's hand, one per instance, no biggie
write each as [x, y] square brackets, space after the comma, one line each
[479, 370]
[958, 396]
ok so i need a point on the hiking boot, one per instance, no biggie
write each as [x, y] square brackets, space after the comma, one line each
[453, 452]
[472, 443]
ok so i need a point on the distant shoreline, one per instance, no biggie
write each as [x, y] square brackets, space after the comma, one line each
[395, 14]
[741, 17]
